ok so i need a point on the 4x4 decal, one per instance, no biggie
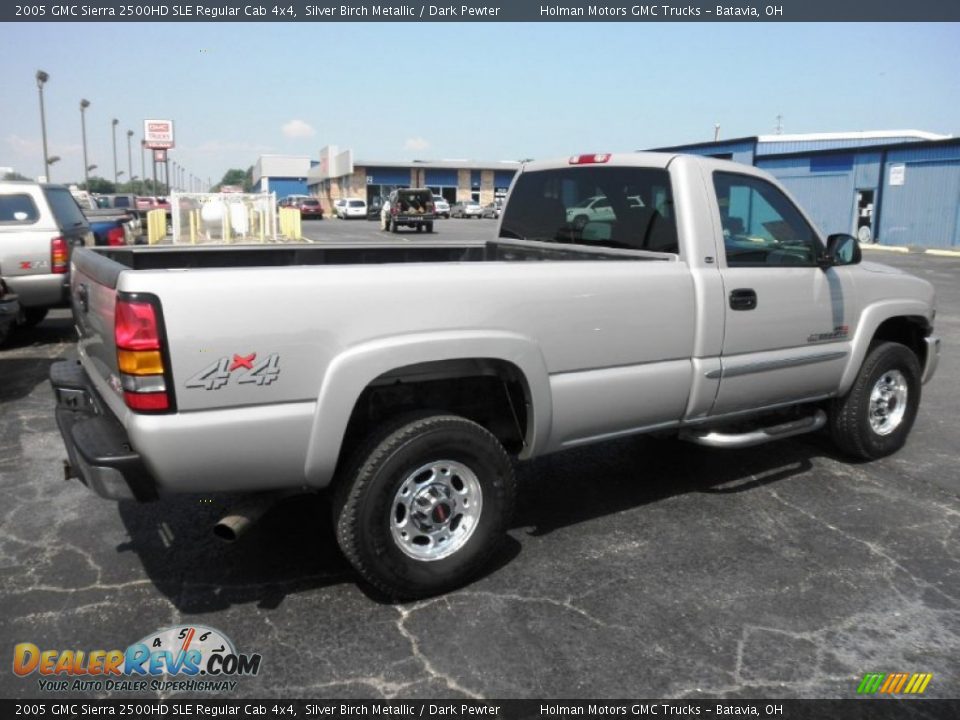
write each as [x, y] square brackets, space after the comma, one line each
[251, 372]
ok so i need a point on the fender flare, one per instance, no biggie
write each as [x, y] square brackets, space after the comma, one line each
[350, 372]
[871, 319]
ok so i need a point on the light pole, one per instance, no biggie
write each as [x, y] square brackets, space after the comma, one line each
[84, 104]
[143, 168]
[130, 159]
[116, 176]
[176, 183]
[42, 77]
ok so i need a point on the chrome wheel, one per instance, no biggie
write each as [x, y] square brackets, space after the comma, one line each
[436, 510]
[888, 402]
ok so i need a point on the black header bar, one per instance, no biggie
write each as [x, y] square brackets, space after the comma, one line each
[299, 11]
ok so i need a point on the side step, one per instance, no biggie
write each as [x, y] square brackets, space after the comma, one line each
[759, 436]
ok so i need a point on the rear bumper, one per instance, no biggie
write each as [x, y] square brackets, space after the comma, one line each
[47, 290]
[97, 444]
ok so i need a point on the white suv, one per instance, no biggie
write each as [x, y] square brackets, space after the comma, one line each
[441, 207]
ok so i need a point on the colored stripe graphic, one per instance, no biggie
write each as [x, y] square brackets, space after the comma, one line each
[894, 683]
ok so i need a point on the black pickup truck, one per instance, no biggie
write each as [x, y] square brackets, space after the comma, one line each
[410, 207]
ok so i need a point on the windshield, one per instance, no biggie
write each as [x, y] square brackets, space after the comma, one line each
[619, 207]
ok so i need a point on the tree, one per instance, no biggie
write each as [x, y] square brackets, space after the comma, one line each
[15, 176]
[236, 176]
[101, 185]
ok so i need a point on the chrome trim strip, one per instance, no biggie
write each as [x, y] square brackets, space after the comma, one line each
[767, 365]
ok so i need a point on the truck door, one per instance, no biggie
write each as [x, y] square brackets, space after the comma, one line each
[787, 321]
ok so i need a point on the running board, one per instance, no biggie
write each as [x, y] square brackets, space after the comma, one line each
[756, 437]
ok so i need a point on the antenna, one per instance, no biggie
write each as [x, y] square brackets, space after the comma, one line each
[716, 132]
[779, 128]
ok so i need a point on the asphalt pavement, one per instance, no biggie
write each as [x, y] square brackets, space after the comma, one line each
[638, 568]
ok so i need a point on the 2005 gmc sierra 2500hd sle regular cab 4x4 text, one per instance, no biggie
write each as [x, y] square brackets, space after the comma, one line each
[411, 374]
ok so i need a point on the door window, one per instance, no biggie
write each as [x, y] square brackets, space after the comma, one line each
[761, 227]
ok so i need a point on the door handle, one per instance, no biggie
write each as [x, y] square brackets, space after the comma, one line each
[743, 299]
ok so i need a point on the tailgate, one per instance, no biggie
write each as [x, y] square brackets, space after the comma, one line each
[93, 292]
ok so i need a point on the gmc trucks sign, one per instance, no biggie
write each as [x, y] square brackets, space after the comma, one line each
[158, 134]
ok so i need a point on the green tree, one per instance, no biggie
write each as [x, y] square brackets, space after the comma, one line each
[15, 176]
[236, 176]
[101, 185]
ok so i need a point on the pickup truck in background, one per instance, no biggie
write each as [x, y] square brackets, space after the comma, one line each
[40, 225]
[704, 304]
[408, 207]
[110, 226]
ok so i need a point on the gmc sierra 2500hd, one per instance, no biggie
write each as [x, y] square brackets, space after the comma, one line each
[703, 303]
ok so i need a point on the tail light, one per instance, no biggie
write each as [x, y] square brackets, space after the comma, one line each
[59, 260]
[115, 237]
[140, 353]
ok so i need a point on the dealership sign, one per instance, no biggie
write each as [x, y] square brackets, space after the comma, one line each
[158, 134]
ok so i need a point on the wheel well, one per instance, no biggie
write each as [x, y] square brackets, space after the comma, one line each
[907, 330]
[492, 393]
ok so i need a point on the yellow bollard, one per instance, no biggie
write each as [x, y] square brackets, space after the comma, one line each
[156, 226]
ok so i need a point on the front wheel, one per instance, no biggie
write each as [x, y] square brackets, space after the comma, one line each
[874, 419]
[426, 505]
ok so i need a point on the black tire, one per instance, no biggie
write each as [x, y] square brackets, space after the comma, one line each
[580, 222]
[850, 417]
[393, 226]
[365, 503]
[429, 227]
[33, 316]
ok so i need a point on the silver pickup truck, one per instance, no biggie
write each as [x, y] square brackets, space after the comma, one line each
[699, 300]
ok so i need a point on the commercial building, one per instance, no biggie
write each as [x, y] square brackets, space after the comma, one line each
[337, 175]
[890, 187]
[282, 174]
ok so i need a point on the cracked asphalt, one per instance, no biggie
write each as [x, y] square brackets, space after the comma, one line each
[639, 568]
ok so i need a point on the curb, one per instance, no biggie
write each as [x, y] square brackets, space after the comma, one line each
[906, 250]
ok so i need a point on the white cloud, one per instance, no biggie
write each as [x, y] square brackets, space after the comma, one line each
[298, 129]
[416, 143]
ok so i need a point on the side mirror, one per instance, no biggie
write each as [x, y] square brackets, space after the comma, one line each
[842, 249]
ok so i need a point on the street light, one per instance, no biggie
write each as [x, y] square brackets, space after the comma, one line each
[176, 182]
[42, 77]
[116, 175]
[84, 104]
[129, 157]
[91, 168]
[51, 160]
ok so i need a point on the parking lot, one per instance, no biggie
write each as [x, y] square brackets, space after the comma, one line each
[638, 568]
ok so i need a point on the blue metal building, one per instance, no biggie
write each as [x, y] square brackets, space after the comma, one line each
[893, 187]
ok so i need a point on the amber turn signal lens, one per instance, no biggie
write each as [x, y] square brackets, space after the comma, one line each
[140, 362]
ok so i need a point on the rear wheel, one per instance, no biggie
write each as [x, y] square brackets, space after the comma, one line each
[33, 316]
[429, 227]
[393, 226]
[425, 505]
[874, 419]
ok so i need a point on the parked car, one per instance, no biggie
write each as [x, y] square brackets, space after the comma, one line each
[441, 207]
[408, 207]
[690, 314]
[354, 208]
[40, 225]
[311, 209]
[9, 310]
[466, 209]
[490, 210]
[338, 207]
[110, 226]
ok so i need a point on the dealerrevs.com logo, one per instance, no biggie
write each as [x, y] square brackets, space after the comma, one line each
[894, 683]
[186, 658]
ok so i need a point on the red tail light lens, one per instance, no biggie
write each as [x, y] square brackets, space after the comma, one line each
[135, 326]
[59, 262]
[115, 237]
[147, 401]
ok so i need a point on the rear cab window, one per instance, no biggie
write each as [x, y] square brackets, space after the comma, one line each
[18, 209]
[615, 207]
[65, 209]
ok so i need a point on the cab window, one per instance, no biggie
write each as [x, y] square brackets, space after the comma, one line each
[761, 226]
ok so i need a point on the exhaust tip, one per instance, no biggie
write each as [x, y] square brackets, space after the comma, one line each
[224, 532]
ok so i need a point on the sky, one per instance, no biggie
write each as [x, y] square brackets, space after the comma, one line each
[479, 91]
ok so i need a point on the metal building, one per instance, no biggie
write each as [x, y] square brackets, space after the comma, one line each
[282, 174]
[891, 187]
